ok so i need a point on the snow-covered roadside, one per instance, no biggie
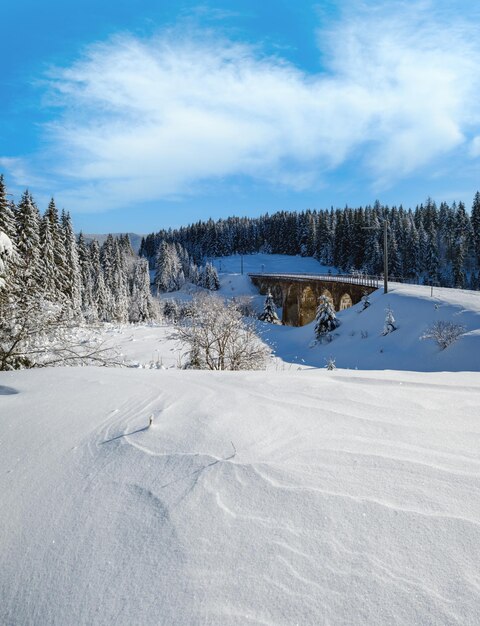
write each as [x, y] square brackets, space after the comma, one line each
[346, 497]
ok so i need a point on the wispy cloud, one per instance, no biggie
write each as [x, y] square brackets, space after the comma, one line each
[145, 120]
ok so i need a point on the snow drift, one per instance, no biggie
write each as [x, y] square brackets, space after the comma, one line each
[289, 497]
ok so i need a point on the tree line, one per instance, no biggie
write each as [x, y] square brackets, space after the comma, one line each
[91, 283]
[53, 283]
[431, 244]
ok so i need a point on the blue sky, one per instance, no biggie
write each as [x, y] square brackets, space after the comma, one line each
[141, 115]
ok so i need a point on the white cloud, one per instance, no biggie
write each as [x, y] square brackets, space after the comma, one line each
[21, 172]
[144, 120]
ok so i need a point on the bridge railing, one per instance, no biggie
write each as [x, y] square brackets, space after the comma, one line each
[351, 279]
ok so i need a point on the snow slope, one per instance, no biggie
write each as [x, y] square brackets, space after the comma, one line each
[345, 497]
[358, 343]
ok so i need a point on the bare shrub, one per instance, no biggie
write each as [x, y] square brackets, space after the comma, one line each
[218, 338]
[443, 333]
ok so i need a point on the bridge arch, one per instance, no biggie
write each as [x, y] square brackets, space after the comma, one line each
[345, 301]
[298, 293]
[328, 294]
[277, 294]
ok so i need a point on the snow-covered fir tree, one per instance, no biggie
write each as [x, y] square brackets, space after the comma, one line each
[325, 319]
[89, 309]
[51, 215]
[390, 324]
[48, 267]
[475, 219]
[269, 313]
[365, 301]
[7, 216]
[72, 275]
[209, 277]
[119, 286]
[101, 295]
[27, 242]
[141, 304]
[6, 255]
[169, 274]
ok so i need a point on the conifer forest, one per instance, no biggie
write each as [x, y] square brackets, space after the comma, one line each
[431, 244]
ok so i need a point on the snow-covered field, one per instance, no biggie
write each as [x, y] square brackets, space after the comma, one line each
[290, 496]
[294, 497]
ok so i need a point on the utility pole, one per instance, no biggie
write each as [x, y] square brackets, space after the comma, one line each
[385, 257]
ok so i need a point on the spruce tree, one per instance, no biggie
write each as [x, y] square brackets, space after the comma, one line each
[141, 305]
[459, 248]
[72, 274]
[209, 278]
[412, 252]
[475, 220]
[59, 253]
[325, 319]
[269, 313]
[120, 285]
[48, 266]
[27, 219]
[432, 264]
[100, 294]
[163, 269]
[89, 308]
[7, 217]
[6, 256]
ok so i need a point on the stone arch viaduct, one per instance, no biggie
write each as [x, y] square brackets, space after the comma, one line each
[298, 294]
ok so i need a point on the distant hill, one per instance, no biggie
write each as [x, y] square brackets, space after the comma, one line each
[135, 239]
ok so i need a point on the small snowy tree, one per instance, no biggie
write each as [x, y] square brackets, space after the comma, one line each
[269, 313]
[389, 325]
[209, 278]
[326, 320]
[330, 364]
[365, 301]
